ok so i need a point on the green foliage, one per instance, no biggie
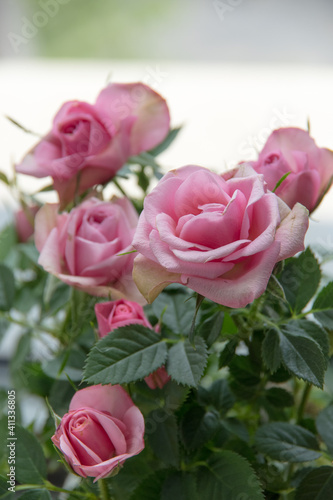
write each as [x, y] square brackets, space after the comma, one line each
[198, 426]
[323, 306]
[324, 424]
[176, 310]
[317, 485]
[7, 288]
[228, 476]
[287, 442]
[300, 279]
[187, 363]
[30, 460]
[130, 353]
[302, 346]
[162, 433]
[36, 495]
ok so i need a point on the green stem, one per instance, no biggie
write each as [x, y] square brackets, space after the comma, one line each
[305, 396]
[116, 183]
[51, 487]
[103, 488]
[30, 326]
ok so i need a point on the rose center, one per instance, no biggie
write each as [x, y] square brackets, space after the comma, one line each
[271, 159]
[121, 310]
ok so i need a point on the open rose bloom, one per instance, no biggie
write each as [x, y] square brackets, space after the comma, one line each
[83, 247]
[311, 168]
[88, 143]
[102, 429]
[220, 238]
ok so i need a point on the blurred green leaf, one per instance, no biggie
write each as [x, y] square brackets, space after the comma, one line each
[287, 442]
[8, 240]
[198, 426]
[179, 486]
[324, 424]
[324, 306]
[317, 485]
[162, 433]
[217, 395]
[36, 495]
[30, 461]
[166, 142]
[7, 288]
[279, 397]
[228, 476]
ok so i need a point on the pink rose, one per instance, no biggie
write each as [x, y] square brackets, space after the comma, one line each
[220, 238]
[24, 222]
[158, 378]
[96, 140]
[101, 430]
[293, 150]
[112, 315]
[82, 247]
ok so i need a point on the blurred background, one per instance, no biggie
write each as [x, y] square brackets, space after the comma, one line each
[265, 31]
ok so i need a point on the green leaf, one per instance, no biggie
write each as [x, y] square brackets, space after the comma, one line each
[300, 279]
[22, 127]
[4, 487]
[324, 306]
[287, 442]
[301, 346]
[175, 395]
[324, 424]
[236, 427]
[179, 486]
[228, 352]
[228, 476]
[271, 353]
[4, 178]
[211, 328]
[279, 397]
[7, 288]
[162, 433]
[166, 143]
[317, 485]
[36, 495]
[185, 363]
[275, 288]
[8, 240]
[130, 353]
[198, 426]
[218, 395]
[144, 159]
[279, 182]
[30, 461]
[245, 371]
[151, 487]
[177, 311]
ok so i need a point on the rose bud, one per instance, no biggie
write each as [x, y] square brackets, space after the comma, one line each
[102, 429]
[311, 168]
[112, 315]
[24, 222]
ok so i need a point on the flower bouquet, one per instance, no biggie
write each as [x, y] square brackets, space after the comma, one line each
[178, 344]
